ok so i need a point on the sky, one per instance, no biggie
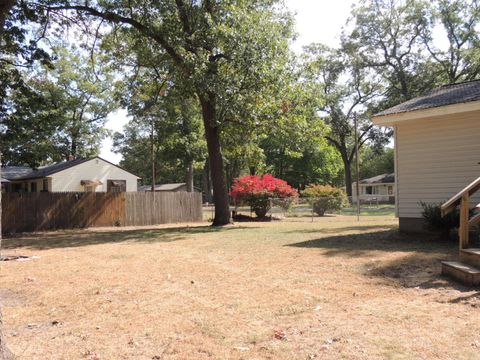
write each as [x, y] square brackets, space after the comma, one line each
[316, 21]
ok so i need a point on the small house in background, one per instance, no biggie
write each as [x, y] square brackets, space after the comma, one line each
[437, 148]
[167, 187]
[377, 189]
[79, 175]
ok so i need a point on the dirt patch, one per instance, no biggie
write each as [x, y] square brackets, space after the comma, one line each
[11, 298]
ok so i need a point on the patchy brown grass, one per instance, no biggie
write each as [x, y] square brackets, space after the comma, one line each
[328, 289]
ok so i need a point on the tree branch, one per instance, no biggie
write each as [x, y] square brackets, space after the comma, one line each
[118, 19]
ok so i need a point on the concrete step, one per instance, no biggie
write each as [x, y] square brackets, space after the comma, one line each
[470, 256]
[464, 273]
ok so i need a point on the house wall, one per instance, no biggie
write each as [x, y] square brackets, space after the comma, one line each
[436, 158]
[379, 191]
[69, 179]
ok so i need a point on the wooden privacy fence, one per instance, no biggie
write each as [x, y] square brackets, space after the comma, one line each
[24, 212]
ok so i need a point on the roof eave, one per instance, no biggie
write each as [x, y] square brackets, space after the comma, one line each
[393, 119]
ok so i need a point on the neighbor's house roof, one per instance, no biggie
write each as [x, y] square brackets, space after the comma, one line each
[15, 172]
[444, 100]
[26, 173]
[163, 187]
[379, 179]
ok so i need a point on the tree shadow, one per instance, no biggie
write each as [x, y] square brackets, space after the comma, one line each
[76, 238]
[363, 244]
[336, 230]
[423, 271]
[419, 267]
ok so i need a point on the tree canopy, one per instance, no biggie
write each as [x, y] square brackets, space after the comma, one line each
[214, 88]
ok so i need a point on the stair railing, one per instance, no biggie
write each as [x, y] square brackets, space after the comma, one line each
[462, 199]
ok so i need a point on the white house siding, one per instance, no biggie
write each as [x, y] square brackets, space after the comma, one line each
[94, 169]
[436, 158]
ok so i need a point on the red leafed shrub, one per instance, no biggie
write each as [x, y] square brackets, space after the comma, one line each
[257, 191]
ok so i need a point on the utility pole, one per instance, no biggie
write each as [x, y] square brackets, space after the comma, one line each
[154, 170]
[357, 166]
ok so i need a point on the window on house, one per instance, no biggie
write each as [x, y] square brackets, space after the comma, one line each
[33, 187]
[89, 188]
[25, 187]
[369, 190]
[390, 190]
[116, 185]
[16, 187]
[45, 185]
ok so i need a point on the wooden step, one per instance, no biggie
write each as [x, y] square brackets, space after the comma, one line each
[464, 273]
[470, 257]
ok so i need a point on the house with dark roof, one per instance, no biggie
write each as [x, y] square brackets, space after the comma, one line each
[377, 189]
[80, 175]
[437, 148]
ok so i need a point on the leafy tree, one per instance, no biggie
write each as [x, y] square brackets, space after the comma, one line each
[20, 50]
[294, 145]
[396, 41]
[347, 92]
[58, 112]
[85, 100]
[374, 162]
[28, 131]
[178, 144]
[460, 21]
[386, 38]
[227, 53]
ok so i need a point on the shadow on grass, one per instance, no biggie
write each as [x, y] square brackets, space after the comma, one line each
[423, 271]
[336, 230]
[75, 238]
[419, 268]
[363, 244]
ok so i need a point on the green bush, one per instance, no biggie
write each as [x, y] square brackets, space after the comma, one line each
[433, 216]
[325, 198]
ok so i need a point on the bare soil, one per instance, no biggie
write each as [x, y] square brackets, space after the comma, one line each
[334, 288]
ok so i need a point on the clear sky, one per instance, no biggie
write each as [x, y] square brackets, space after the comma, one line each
[316, 21]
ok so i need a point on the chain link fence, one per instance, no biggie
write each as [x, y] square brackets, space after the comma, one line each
[312, 208]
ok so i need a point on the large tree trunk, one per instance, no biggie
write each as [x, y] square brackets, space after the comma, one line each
[189, 176]
[212, 135]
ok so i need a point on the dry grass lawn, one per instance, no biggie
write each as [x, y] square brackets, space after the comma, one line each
[331, 289]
